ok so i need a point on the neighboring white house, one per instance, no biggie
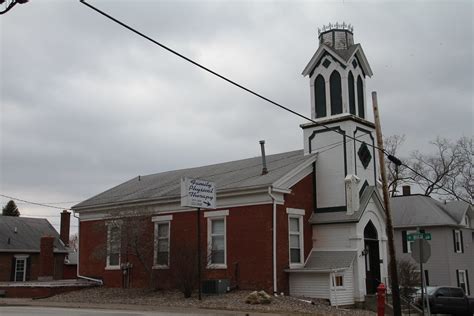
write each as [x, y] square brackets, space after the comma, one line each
[349, 255]
[452, 237]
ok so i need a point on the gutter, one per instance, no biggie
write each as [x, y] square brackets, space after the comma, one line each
[78, 254]
[275, 289]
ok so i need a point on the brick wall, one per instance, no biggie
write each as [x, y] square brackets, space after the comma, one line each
[248, 237]
[33, 266]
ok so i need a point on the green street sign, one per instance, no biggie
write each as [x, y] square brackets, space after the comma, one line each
[415, 236]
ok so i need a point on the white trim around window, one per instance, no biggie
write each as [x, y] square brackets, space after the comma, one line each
[457, 241]
[217, 239]
[410, 243]
[114, 245]
[337, 280]
[161, 241]
[295, 241]
[295, 211]
[20, 268]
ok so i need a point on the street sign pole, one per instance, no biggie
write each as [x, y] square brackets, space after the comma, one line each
[421, 273]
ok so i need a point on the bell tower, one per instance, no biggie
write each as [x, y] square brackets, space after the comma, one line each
[345, 168]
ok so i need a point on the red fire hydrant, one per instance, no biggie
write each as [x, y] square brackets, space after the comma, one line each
[381, 291]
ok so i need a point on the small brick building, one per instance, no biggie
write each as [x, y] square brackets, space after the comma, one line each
[31, 249]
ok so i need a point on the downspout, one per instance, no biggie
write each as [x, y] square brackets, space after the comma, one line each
[78, 253]
[275, 290]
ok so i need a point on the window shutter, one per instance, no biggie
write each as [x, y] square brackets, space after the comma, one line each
[454, 240]
[12, 272]
[28, 269]
[457, 276]
[462, 243]
[467, 284]
[404, 241]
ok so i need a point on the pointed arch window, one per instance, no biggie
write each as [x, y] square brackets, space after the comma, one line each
[320, 96]
[360, 97]
[336, 93]
[352, 102]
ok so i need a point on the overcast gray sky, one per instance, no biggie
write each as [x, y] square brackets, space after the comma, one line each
[86, 104]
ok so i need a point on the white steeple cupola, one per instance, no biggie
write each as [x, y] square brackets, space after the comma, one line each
[337, 73]
[345, 168]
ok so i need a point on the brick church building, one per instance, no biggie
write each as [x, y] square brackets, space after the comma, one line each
[308, 222]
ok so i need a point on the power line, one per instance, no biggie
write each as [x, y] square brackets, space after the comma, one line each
[390, 157]
[222, 76]
[34, 203]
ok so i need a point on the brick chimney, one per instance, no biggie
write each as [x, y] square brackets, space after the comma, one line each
[406, 190]
[64, 228]
[46, 260]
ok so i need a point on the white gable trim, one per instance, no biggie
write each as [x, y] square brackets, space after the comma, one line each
[317, 55]
[296, 175]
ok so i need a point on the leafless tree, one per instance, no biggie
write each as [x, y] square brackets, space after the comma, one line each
[186, 268]
[447, 171]
[408, 276]
[138, 242]
[74, 242]
[396, 174]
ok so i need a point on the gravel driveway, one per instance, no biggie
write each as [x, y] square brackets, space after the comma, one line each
[230, 301]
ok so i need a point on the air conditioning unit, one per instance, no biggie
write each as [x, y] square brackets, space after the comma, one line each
[215, 286]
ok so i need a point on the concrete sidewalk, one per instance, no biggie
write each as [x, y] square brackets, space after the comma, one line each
[129, 307]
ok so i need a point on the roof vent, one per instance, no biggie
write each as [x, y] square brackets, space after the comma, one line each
[264, 161]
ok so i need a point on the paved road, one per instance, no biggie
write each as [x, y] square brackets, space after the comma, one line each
[55, 311]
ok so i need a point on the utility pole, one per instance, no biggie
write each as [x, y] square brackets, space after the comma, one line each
[198, 223]
[388, 214]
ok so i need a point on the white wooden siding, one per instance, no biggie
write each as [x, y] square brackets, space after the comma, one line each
[345, 295]
[314, 285]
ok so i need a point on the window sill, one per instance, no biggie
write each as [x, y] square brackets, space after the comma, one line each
[112, 268]
[217, 266]
[158, 267]
[296, 265]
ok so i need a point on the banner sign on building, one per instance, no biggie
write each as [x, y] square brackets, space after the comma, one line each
[198, 193]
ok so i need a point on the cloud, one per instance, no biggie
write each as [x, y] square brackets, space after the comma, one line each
[86, 104]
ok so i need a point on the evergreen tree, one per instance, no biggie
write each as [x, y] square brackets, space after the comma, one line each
[10, 209]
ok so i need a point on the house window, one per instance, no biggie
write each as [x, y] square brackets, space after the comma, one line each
[410, 243]
[295, 225]
[320, 96]
[113, 245]
[360, 97]
[462, 280]
[216, 239]
[458, 241]
[20, 268]
[338, 280]
[162, 242]
[336, 92]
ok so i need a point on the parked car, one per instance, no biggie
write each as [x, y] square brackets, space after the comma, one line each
[449, 300]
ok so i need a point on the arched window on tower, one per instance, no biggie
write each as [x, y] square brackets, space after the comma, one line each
[352, 101]
[320, 96]
[336, 93]
[360, 97]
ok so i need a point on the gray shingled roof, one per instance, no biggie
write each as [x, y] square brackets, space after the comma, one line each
[347, 53]
[458, 209]
[416, 210]
[28, 234]
[234, 175]
[342, 217]
[327, 260]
